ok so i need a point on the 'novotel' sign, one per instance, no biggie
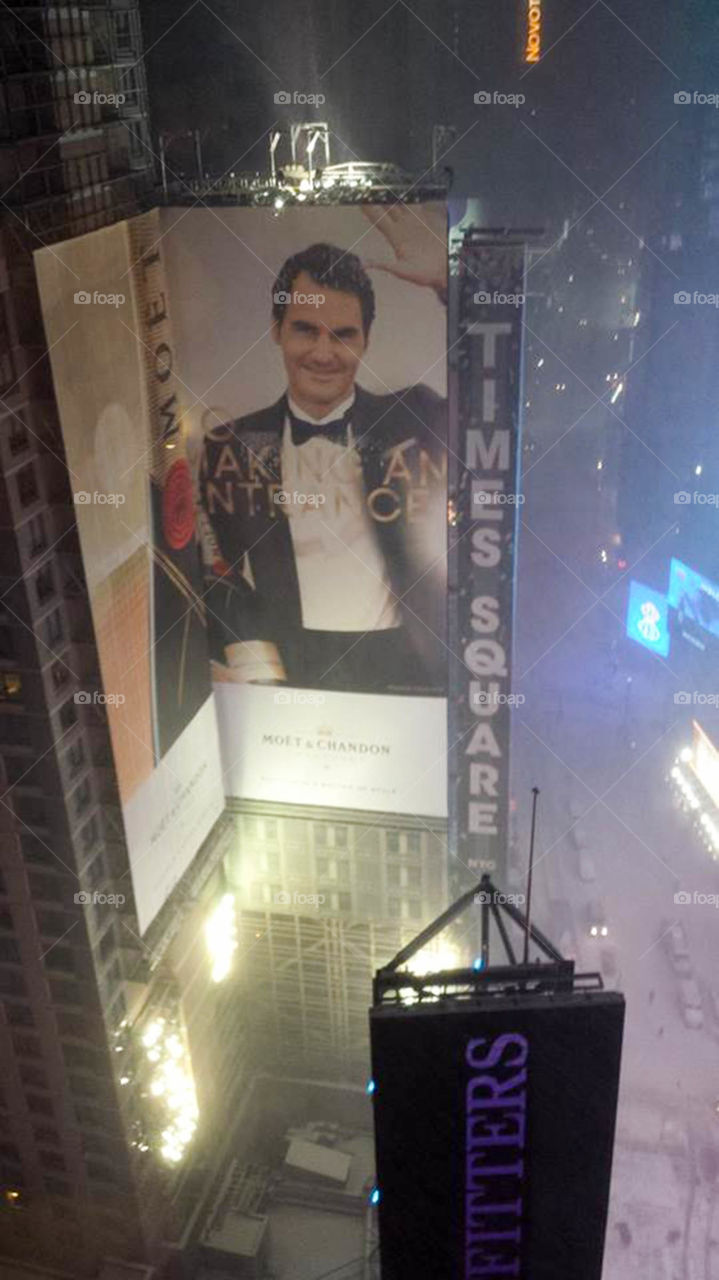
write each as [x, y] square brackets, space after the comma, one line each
[533, 47]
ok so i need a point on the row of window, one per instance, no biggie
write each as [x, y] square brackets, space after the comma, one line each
[330, 836]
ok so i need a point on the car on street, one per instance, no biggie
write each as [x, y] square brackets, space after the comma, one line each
[690, 1002]
[677, 948]
[597, 919]
[587, 870]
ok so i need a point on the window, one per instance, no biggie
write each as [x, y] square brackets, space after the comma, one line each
[82, 797]
[14, 730]
[53, 1160]
[8, 1151]
[16, 767]
[19, 1015]
[38, 1104]
[90, 833]
[8, 648]
[18, 439]
[43, 1134]
[27, 485]
[37, 542]
[7, 368]
[60, 958]
[9, 950]
[68, 715]
[58, 1188]
[54, 628]
[45, 583]
[27, 1046]
[392, 839]
[414, 841]
[321, 835]
[6, 922]
[47, 888]
[83, 1059]
[76, 756]
[34, 1076]
[10, 686]
[52, 923]
[60, 675]
[341, 837]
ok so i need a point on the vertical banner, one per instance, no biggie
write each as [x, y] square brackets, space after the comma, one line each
[484, 457]
[107, 322]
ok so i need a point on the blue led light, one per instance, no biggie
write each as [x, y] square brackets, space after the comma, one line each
[371, 1086]
[375, 1196]
[479, 963]
[648, 618]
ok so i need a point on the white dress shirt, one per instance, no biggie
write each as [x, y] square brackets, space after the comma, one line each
[343, 579]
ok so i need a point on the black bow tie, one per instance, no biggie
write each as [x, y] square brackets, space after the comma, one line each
[336, 430]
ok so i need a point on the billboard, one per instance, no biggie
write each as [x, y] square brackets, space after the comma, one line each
[696, 599]
[487, 297]
[314, 341]
[107, 322]
[494, 1129]
[648, 618]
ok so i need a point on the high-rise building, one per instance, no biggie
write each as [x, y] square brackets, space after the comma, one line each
[74, 156]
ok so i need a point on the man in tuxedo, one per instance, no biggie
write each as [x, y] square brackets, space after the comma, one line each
[326, 511]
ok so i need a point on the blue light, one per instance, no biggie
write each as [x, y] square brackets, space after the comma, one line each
[371, 1086]
[479, 963]
[648, 618]
[375, 1196]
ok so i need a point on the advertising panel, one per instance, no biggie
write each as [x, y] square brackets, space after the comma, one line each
[314, 344]
[487, 301]
[494, 1130]
[107, 323]
[648, 618]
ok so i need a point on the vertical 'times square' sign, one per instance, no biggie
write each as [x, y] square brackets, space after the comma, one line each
[485, 499]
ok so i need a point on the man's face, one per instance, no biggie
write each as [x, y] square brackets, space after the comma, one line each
[322, 345]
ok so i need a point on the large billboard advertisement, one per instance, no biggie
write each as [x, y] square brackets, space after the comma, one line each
[314, 344]
[107, 323]
[494, 1131]
[487, 301]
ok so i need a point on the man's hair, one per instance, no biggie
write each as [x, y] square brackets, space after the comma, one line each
[336, 269]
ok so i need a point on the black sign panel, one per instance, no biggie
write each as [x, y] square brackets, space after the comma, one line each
[486, 344]
[494, 1131]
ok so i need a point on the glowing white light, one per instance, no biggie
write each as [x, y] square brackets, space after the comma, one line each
[279, 203]
[540, 362]
[600, 464]
[616, 393]
[434, 958]
[221, 937]
[698, 469]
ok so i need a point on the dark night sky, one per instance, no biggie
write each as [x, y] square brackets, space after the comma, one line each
[598, 101]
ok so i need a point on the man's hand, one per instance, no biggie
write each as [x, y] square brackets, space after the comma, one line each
[419, 241]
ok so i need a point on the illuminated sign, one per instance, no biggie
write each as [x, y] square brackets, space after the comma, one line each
[486, 1116]
[705, 762]
[648, 618]
[695, 597]
[484, 434]
[533, 47]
